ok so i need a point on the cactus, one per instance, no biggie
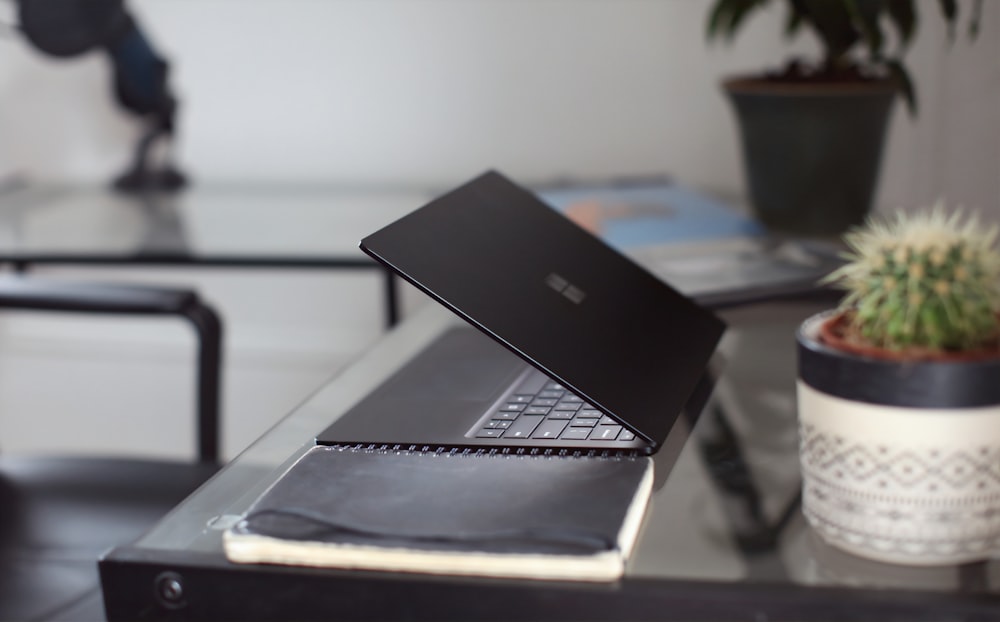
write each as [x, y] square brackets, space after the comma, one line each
[926, 281]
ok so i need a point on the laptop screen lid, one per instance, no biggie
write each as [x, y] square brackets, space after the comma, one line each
[558, 297]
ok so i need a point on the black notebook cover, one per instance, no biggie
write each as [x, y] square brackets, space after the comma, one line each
[471, 513]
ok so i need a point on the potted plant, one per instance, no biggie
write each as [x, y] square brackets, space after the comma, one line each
[899, 394]
[812, 133]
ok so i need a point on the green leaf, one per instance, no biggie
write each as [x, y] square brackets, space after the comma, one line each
[904, 18]
[742, 10]
[949, 8]
[977, 14]
[864, 14]
[727, 16]
[716, 17]
[794, 22]
[833, 23]
[904, 83]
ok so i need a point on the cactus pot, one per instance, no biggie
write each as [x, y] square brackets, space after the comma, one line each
[900, 459]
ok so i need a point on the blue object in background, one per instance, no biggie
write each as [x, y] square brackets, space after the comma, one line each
[657, 212]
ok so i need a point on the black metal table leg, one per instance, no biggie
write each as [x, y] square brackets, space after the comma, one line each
[209, 328]
[391, 299]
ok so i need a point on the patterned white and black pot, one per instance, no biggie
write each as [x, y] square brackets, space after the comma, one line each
[900, 460]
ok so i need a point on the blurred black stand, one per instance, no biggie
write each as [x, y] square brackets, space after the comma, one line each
[68, 28]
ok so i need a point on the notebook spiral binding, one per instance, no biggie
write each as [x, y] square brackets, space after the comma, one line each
[500, 452]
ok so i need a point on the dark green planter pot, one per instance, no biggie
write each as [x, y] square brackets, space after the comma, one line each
[811, 153]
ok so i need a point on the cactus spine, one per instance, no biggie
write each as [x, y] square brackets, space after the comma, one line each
[924, 281]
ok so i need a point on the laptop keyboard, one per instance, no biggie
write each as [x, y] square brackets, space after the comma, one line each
[540, 408]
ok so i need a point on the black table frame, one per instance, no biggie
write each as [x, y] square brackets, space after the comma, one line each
[22, 262]
[72, 297]
[207, 321]
[280, 593]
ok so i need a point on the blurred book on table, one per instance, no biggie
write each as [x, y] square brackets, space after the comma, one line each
[701, 245]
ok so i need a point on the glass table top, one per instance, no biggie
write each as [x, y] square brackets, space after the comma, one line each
[320, 226]
[726, 502]
[201, 223]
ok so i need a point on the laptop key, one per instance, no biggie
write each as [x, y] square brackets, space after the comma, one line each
[566, 406]
[505, 414]
[544, 402]
[575, 434]
[537, 410]
[522, 399]
[512, 407]
[587, 413]
[498, 423]
[605, 433]
[626, 435]
[523, 427]
[583, 423]
[489, 433]
[606, 420]
[550, 428]
[561, 414]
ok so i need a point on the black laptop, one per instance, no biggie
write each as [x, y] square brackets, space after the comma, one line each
[576, 347]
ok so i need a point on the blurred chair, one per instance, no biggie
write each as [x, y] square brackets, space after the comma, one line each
[58, 515]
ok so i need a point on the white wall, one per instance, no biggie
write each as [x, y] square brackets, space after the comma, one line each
[433, 91]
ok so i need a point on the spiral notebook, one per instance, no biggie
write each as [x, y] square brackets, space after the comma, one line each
[569, 516]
